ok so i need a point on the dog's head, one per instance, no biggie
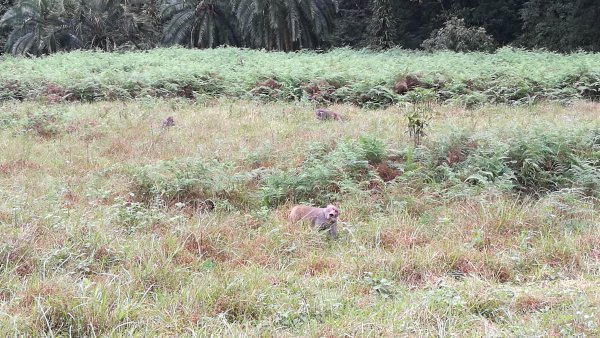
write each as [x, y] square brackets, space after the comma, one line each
[332, 212]
[320, 114]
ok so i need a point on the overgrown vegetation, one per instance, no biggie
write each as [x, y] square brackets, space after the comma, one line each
[114, 225]
[363, 78]
[535, 165]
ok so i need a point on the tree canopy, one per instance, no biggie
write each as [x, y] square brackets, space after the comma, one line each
[37, 27]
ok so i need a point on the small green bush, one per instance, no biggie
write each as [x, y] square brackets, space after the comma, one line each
[322, 179]
[373, 148]
[198, 183]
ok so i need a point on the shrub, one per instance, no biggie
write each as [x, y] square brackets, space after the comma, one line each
[533, 163]
[455, 36]
[373, 148]
[321, 178]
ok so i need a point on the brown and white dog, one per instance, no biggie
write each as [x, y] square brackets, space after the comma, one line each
[321, 218]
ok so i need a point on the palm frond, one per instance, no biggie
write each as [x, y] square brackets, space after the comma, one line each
[284, 24]
[203, 24]
[24, 44]
[178, 28]
[38, 26]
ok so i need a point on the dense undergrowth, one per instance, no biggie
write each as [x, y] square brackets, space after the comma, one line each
[532, 163]
[364, 78]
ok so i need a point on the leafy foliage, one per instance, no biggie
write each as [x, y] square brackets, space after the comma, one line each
[113, 24]
[324, 175]
[561, 25]
[534, 163]
[363, 78]
[39, 27]
[4, 30]
[455, 36]
[201, 24]
[419, 115]
[284, 24]
[351, 24]
[51, 25]
[383, 23]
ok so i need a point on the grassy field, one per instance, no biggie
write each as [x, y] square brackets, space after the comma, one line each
[112, 225]
[364, 78]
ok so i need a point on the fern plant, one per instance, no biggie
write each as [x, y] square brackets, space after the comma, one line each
[321, 179]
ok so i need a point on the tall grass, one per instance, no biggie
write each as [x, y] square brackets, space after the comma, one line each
[115, 226]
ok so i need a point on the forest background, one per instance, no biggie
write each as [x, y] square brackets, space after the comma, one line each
[45, 26]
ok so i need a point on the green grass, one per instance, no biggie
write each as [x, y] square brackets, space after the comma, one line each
[114, 226]
[340, 76]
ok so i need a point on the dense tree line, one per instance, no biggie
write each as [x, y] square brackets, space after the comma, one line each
[45, 26]
[560, 25]
[4, 6]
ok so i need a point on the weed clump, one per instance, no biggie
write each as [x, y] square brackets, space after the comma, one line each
[324, 176]
[323, 91]
[274, 90]
[534, 163]
[191, 183]
[45, 124]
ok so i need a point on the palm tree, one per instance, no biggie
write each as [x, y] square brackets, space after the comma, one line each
[284, 24]
[202, 24]
[110, 24]
[39, 26]
[4, 6]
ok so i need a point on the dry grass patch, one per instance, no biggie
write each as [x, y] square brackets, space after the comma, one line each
[84, 253]
[533, 303]
[17, 167]
[401, 238]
